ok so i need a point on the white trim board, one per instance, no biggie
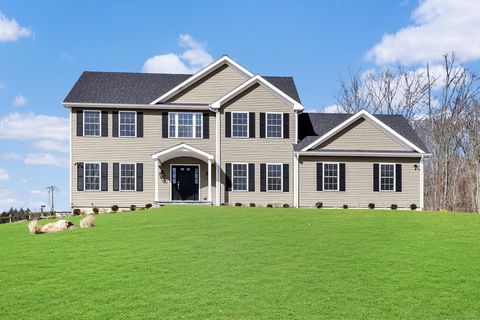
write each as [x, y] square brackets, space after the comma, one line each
[183, 147]
[200, 74]
[361, 154]
[267, 85]
[374, 121]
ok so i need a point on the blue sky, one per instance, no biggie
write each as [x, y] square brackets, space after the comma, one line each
[45, 45]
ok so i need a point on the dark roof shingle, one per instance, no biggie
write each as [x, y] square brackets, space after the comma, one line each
[142, 88]
[313, 125]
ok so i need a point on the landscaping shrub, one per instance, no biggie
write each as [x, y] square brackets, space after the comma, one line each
[269, 205]
[114, 208]
[77, 212]
[394, 207]
[148, 206]
[133, 207]
[371, 206]
[345, 206]
[286, 205]
[95, 210]
[252, 205]
[319, 205]
[413, 206]
[238, 204]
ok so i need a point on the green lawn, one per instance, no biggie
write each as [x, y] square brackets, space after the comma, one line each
[246, 263]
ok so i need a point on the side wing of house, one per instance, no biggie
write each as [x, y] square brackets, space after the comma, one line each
[360, 163]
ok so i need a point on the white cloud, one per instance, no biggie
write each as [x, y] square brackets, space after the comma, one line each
[45, 159]
[66, 56]
[440, 27]
[4, 175]
[29, 126]
[38, 192]
[24, 181]
[11, 156]
[19, 101]
[193, 58]
[10, 30]
[334, 108]
[51, 145]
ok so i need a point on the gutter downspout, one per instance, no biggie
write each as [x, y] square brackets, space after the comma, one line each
[218, 163]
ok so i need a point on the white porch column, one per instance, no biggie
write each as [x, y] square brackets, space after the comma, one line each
[218, 186]
[422, 183]
[157, 173]
[209, 194]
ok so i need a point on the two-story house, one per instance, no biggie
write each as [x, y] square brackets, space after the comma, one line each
[225, 135]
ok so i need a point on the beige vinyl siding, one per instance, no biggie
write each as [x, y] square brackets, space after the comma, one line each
[359, 183]
[211, 87]
[128, 150]
[255, 150]
[362, 135]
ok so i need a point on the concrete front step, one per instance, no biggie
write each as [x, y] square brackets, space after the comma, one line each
[193, 203]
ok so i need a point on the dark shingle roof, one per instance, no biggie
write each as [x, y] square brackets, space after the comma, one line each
[142, 88]
[313, 125]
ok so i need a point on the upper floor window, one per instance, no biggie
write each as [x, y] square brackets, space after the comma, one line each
[274, 177]
[92, 176]
[240, 124]
[274, 125]
[387, 177]
[240, 176]
[330, 176]
[185, 125]
[91, 123]
[127, 123]
[127, 176]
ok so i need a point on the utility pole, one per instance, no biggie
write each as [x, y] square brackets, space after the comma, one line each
[51, 192]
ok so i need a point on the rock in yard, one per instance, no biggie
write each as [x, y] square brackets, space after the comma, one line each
[87, 222]
[60, 225]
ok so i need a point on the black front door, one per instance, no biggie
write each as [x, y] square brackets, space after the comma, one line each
[185, 181]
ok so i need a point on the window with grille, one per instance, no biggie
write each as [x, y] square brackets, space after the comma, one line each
[387, 177]
[240, 176]
[274, 177]
[330, 176]
[240, 124]
[91, 123]
[92, 176]
[185, 125]
[274, 125]
[127, 177]
[127, 123]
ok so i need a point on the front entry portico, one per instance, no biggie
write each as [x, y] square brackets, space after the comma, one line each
[181, 177]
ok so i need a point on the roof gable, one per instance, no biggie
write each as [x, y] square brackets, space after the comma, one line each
[317, 132]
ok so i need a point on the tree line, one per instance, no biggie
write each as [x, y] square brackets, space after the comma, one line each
[442, 104]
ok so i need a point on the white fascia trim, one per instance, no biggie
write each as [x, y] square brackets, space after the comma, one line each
[368, 116]
[212, 66]
[181, 146]
[247, 84]
[361, 154]
[135, 106]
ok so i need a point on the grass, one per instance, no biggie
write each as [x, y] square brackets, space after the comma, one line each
[246, 263]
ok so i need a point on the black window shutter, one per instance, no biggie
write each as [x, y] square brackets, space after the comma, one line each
[228, 124]
[228, 176]
[79, 123]
[286, 126]
[375, 177]
[319, 176]
[262, 125]
[104, 123]
[206, 126]
[139, 124]
[342, 177]
[164, 124]
[80, 176]
[116, 178]
[251, 177]
[398, 177]
[263, 177]
[104, 184]
[115, 124]
[251, 124]
[139, 176]
[286, 183]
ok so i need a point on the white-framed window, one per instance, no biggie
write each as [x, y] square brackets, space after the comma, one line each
[91, 176]
[185, 125]
[240, 124]
[387, 177]
[127, 177]
[91, 123]
[239, 177]
[330, 176]
[274, 125]
[274, 177]
[127, 124]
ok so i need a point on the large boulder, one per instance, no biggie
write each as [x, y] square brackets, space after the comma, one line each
[87, 222]
[34, 227]
[60, 225]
